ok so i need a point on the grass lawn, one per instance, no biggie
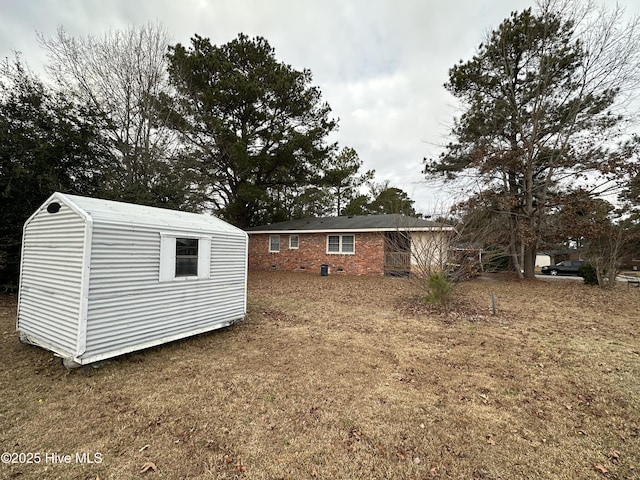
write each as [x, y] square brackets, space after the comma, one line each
[347, 378]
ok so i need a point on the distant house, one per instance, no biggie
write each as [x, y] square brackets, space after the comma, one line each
[355, 245]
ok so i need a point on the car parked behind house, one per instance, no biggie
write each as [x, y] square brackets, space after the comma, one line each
[568, 267]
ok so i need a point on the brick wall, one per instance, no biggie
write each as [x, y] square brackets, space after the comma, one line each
[368, 258]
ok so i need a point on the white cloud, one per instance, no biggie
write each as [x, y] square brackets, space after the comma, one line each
[380, 64]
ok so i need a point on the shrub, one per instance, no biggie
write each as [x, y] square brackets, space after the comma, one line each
[496, 261]
[589, 274]
[440, 290]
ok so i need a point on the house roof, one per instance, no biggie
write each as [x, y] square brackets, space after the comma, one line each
[355, 223]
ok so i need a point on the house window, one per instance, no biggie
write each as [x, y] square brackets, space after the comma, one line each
[294, 240]
[274, 243]
[186, 257]
[340, 244]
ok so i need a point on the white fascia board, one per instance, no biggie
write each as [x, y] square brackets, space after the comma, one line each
[60, 197]
[69, 203]
[354, 230]
[187, 233]
[246, 271]
[81, 342]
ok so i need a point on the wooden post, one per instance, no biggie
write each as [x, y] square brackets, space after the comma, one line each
[493, 302]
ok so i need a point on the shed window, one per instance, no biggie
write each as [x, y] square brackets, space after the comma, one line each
[294, 240]
[340, 244]
[274, 243]
[186, 257]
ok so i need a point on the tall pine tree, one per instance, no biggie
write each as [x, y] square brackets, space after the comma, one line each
[254, 126]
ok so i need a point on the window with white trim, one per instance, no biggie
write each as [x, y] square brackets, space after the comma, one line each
[187, 257]
[274, 243]
[294, 241]
[184, 257]
[341, 244]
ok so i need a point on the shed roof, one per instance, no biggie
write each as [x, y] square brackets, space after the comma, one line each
[109, 211]
[355, 223]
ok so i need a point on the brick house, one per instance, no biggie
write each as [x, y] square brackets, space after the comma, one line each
[355, 245]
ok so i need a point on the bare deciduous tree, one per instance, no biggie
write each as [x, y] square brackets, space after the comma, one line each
[121, 73]
[435, 256]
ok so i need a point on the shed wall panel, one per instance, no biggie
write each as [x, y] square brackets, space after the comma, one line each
[51, 277]
[128, 304]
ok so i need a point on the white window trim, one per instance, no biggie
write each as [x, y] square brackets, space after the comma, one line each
[168, 257]
[274, 251]
[340, 252]
[296, 247]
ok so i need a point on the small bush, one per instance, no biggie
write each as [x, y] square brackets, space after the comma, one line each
[589, 274]
[440, 290]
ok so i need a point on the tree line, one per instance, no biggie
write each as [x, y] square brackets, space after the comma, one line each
[227, 129]
[546, 145]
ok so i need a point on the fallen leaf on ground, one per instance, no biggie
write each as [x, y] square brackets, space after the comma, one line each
[601, 468]
[149, 466]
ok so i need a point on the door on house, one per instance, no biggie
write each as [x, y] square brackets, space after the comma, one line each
[397, 253]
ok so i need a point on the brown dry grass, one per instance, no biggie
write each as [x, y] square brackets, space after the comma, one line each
[345, 377]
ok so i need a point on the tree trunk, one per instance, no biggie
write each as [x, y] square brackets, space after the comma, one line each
[515, 255]
[530, 261]
[515, 247]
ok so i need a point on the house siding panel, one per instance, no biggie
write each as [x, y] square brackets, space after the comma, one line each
[368, 258]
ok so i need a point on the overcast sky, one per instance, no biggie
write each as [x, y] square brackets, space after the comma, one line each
[380, 64]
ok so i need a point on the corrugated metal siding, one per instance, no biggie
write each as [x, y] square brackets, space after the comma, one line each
[129, 307]
[50, 283]
[228, 258]
[121, 257]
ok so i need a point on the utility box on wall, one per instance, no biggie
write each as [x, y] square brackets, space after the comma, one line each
[100, 278]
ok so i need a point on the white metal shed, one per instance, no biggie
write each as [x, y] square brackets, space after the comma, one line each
[100, 278]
